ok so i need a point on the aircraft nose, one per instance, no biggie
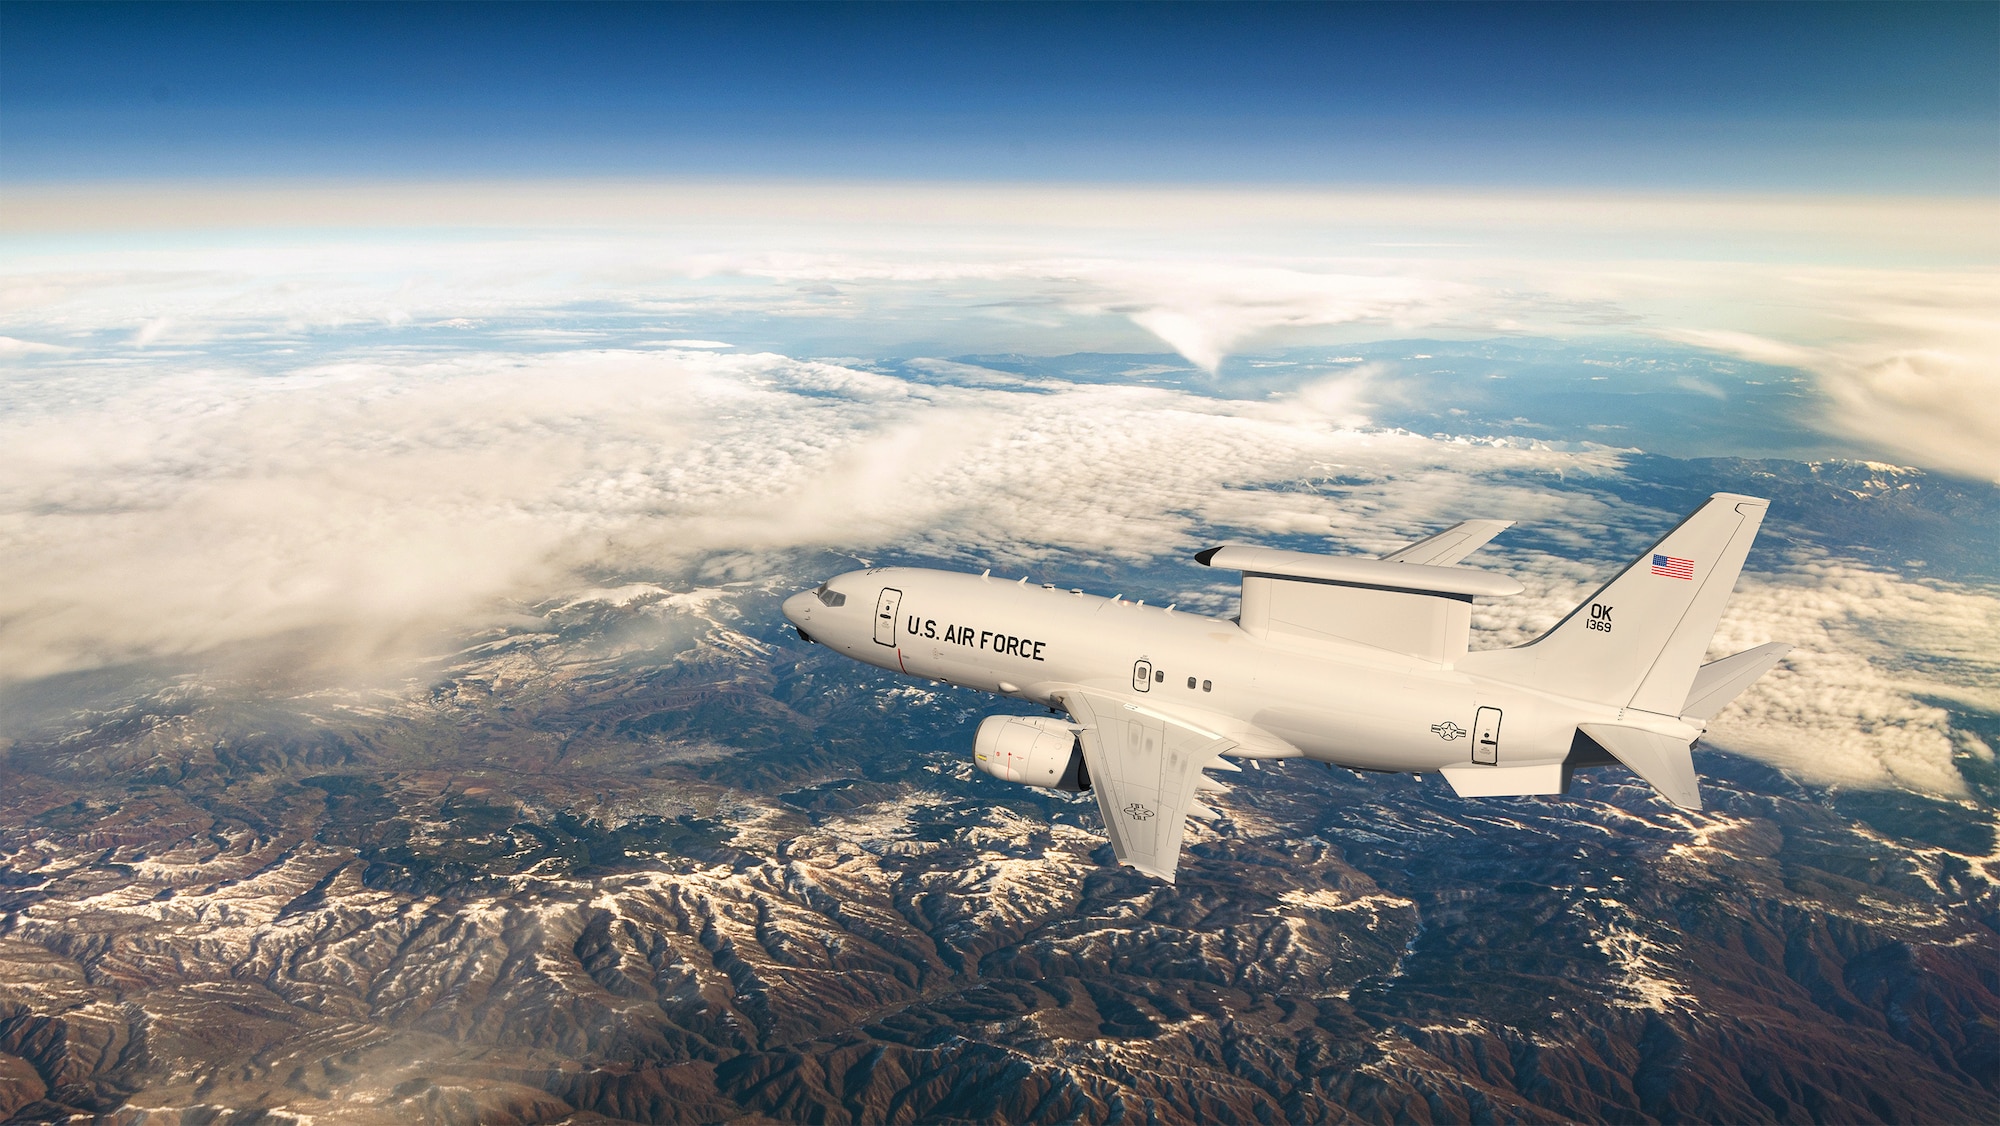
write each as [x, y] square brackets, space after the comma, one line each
[798, 609]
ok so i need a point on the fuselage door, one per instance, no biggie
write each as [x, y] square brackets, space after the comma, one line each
[885, 615]
[1486, 737]
[1142, 676]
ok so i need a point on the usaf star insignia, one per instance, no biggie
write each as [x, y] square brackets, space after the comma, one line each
[1138, 812]
[1447, 731]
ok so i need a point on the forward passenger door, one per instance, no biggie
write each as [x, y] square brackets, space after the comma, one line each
[886, 606]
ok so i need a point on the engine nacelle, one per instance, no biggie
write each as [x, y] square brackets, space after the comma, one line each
[1033, 750]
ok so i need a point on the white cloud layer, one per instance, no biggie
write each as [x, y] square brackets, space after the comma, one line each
[374, 417]
[1889, 303]
[369, 507]
[1846, 706]
[417, 492]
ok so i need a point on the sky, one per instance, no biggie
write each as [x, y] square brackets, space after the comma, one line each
[1844, 97]
[334, 331]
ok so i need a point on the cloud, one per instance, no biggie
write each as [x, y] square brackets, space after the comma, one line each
[151, 331]
[1915, 369]
[1934, 406]
[370, 509]
[365, 440]
[10, 347]
[1872, 296]
[385, 497]
[369, 496]
[1847, 707]
[1205, 312]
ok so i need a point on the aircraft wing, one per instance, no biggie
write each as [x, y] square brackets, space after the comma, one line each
[1146, 768]
[1450, 545]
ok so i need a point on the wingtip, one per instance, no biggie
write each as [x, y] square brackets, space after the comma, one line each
[1202, 557]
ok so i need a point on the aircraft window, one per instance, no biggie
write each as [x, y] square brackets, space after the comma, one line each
[1190, 682]
[1207, 684]
[1160, 677]
[831, 598]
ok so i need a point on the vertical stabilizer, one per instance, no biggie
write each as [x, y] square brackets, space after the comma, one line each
[1639, 640]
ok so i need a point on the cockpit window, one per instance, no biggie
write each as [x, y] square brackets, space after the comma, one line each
[830, 597]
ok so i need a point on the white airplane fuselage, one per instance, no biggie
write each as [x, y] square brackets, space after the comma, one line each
[1353, 706]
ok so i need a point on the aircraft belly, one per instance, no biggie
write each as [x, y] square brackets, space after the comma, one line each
[935, 662]
[1366, 718]
[1370, 742]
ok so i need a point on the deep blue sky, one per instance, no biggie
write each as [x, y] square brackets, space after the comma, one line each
[1901, 97]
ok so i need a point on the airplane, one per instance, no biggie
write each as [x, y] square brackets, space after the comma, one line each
[1358, 662]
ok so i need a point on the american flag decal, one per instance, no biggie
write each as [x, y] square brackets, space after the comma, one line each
[1673, 567]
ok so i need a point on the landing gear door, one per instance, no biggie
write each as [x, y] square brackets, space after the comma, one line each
[1486, 737]
[1142, 676]
[885, 615]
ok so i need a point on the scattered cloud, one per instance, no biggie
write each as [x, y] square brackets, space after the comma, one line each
[1849, 705]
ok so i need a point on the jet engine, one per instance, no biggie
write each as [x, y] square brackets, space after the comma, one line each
[1034, 750]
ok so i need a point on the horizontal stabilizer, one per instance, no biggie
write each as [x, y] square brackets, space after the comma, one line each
[1663, 760]
[1474, 781]
[1450, 545]
[1719, 682]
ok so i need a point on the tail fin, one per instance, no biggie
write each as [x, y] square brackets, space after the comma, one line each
[1639, 640]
